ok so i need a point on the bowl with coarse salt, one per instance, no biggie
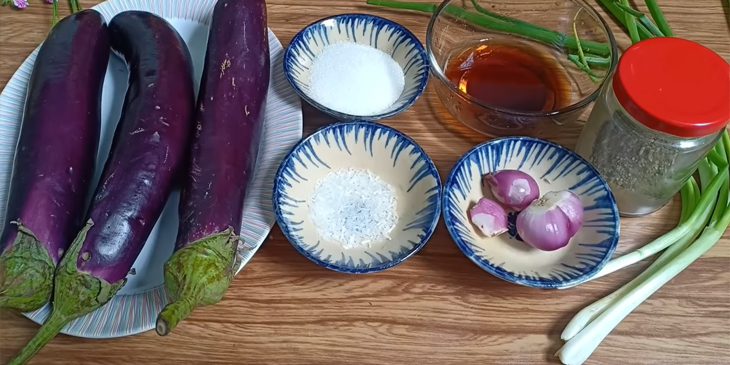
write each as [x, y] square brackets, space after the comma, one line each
[357, 197]
[357, 67]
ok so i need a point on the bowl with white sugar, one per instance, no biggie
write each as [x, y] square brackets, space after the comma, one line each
[357, 197]
[357, 67]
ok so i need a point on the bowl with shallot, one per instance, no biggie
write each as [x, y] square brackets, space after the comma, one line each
[531, 212]
[357, 197]
[357, 67]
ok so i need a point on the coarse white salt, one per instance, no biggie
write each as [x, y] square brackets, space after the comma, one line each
[354, 208]
[356, 79]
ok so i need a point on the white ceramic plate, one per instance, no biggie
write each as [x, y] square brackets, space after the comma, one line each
[135, 308]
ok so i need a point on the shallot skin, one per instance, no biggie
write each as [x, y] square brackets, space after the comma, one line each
[489, 217]
[572, 206]
[550, 222]
[515, 189]
[547, 231]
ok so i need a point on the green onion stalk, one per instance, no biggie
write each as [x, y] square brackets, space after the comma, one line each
[658, 16]
[75, 6]
[690, 196]
[579, 348]
[651, 29]
[631, 24]
[489, 20]
[55, 17]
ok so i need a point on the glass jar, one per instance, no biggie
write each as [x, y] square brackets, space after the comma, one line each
[656, 120]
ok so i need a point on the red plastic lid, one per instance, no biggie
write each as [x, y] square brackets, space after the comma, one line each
[674, 86]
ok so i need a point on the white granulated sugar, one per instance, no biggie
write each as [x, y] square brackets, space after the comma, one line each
[354, 208]
[356, 79]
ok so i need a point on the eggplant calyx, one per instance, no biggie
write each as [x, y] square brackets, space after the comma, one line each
[75, 294]
[26, 273]
[196, 276]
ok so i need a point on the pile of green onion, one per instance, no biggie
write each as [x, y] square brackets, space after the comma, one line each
[705, 205]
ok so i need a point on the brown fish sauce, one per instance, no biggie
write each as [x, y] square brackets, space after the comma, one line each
[510, 77]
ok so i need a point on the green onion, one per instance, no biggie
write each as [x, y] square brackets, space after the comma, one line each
[55, 17]
[642, 18]
[650, 26]
[630, 20]
[492, 14]
[581, 55]
[583, 67]
[658, 16]
[612, 7]
[593, 61]
[581, 62]
[706, 171]
[690, 196]
[716, 157]
[725, 189]
[579, 348]
[502, 24]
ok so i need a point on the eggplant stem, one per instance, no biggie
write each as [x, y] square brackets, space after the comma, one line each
[75, 294]
[198, 275]
[53, 326]
[173, 314]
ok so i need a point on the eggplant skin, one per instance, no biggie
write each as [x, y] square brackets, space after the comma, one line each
[59, 137]
[54, 159]
[150, 146]
[229, 121]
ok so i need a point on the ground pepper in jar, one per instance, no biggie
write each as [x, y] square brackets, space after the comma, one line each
[663, 111]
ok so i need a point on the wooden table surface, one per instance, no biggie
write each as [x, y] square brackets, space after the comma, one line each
[437, 308]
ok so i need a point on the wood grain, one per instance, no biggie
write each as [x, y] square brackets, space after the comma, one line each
[438, 308]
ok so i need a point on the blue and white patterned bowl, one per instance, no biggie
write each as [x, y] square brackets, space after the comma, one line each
[555, 168]
[369, 30]
[385, 152]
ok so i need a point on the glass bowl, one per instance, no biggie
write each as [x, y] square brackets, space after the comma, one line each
[541, 38]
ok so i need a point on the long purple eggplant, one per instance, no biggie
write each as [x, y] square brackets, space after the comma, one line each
[230, 117]
[54, 160]
[148, 156]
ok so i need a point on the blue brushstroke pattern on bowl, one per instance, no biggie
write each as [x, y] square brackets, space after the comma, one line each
[554, 168]
[380, 33]
[387, 153]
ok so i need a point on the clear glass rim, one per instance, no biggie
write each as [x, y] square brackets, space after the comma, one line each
[439, 73]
